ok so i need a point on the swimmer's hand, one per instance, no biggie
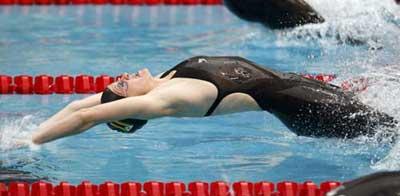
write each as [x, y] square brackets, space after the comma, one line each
[22, 143]
[16, 144]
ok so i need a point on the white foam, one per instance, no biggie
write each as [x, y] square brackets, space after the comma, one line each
[383, 94]
[373, 22]
[15, 133]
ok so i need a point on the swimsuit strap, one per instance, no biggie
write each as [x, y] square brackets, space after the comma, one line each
[215, 104]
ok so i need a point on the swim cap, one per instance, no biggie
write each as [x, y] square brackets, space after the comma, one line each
[125, 125]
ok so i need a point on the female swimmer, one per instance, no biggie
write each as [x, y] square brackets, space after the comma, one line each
[206, 86]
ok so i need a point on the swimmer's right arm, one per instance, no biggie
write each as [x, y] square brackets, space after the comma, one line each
[140, 107]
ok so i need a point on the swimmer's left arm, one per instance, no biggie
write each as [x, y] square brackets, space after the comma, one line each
[73, 107]
[139, 107]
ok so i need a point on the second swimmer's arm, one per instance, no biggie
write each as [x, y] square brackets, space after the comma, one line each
[140, 107]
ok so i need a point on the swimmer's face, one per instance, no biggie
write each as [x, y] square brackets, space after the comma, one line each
[135, 84]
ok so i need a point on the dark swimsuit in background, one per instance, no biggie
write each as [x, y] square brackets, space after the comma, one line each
[308, 107]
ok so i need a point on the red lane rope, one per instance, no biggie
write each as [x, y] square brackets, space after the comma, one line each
[113, 2]
[155, 188]
[81, 84]
[45, 84]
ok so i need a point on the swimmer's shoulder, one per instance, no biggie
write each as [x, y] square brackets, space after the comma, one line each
[190, 97]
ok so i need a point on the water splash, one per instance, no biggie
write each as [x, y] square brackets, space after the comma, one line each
[360, 39]
[383, 93]
[371, 23]
[391, 161]
[15, 132]
[371, 29]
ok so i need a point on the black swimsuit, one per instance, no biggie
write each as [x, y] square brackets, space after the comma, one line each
[308, 107]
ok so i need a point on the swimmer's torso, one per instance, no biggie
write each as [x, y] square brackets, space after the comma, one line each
[307, 107]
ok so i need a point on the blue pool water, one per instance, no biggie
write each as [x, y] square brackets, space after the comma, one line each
[247, 146]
